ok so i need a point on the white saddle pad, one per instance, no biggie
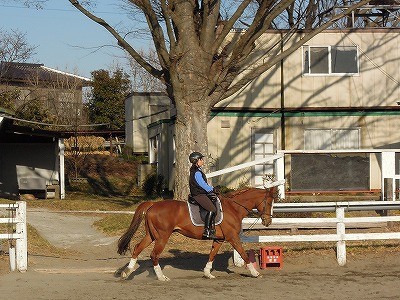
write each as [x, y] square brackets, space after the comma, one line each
[194, 212]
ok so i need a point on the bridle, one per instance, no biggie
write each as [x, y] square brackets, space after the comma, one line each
[263, 214]
[260, 214]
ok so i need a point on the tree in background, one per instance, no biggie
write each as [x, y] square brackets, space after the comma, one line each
[107, 101]
[14, 47]
[143, 81]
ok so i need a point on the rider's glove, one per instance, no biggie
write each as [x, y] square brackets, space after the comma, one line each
[213, 197]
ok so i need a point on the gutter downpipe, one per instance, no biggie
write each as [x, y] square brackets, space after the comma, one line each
[283, 131]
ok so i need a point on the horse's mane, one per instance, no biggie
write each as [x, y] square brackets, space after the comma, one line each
[237, 192]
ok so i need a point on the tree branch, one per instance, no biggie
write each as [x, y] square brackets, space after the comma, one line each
[156, 31]
[228, 25]
[121, 41]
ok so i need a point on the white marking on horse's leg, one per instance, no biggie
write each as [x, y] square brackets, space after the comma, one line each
[159, 273]
[207, 270]
[129, 268]
[132, 263]
[253, 270]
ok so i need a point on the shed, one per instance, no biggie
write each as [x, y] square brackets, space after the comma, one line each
[31, 161]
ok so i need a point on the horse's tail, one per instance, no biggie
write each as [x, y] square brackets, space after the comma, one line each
[125, 239]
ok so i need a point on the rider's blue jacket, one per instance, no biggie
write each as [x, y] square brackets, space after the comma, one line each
[198, 182]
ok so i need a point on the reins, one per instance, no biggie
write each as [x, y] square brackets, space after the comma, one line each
[260, 214]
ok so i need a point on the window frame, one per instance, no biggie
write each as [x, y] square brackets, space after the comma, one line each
[333, 134]
[329, 73]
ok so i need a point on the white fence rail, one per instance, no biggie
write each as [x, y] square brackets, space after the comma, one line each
[279, 171]
[340, 221]
[15, 214]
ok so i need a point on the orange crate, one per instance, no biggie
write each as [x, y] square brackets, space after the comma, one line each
[271, 257]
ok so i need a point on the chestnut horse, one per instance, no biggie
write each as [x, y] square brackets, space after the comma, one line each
[162, 218]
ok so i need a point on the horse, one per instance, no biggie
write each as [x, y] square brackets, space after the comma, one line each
[162, 218]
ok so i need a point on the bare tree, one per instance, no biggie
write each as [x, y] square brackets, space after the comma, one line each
[14, 46]
[202, 58]
[143, 81]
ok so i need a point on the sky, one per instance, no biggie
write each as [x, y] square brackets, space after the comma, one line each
[65, 38]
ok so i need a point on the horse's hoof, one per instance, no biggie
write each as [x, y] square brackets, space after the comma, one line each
[125, 273]
[164, 278]
[209, 276]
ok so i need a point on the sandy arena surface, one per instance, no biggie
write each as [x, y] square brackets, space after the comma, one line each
[94, 272]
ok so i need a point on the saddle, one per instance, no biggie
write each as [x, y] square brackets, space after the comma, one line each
[198, 213]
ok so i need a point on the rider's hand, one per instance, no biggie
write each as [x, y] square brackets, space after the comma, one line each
[213, 197]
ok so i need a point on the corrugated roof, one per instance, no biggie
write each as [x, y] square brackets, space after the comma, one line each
[22, 72]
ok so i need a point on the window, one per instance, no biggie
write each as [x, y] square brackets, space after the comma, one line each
[263, 146]
[154, 145]
[331, 139]
[330, 60]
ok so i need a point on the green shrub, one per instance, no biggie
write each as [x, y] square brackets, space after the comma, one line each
[153, 185]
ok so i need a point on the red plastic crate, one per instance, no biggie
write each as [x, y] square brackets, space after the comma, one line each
[271, 257]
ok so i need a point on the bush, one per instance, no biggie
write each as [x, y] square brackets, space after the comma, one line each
[103, 175]
[153, 185]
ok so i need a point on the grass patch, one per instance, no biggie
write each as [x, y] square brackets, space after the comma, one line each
[114, 224]
[38, 245]
[76, 201]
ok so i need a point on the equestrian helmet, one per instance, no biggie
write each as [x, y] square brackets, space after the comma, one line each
[195, 156]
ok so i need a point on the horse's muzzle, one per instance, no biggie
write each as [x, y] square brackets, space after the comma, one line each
[266, 220]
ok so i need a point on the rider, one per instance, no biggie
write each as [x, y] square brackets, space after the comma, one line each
[203, 193]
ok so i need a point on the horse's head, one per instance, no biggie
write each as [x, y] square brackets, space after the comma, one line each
[255, 198]
[264, 207]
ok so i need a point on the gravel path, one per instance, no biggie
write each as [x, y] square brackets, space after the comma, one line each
[68, 231]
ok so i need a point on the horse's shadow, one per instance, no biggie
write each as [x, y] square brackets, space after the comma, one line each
[182, 260]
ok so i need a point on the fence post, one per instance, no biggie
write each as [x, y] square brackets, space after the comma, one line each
[11, 253]
[21, 244]
[341, 231]
[280, 174]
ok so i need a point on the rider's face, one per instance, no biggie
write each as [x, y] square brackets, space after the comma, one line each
[200, 162]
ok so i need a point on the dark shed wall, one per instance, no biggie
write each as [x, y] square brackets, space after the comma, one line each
[34, 160]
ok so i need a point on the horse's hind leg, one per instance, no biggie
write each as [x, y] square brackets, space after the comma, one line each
[145, 242]
[159, 245]
[216, 245]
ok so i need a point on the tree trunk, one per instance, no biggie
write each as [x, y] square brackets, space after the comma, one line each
[190, 135]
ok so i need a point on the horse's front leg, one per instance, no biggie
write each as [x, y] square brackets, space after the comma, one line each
[216, 245]
[237, 245]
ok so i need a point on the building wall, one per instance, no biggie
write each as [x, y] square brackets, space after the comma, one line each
[65, 105]
[142, 109]
[230, 146]
[376, 85]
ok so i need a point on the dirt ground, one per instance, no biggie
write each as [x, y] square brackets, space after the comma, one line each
[91, 271]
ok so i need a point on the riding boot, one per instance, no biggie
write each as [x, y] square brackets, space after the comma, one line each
[209, 231]
[212, 224]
